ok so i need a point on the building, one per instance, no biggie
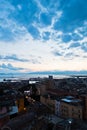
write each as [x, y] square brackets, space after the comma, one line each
[71, 108]
[20, 103]
[7, 101]
[49, 101]
[83, 97]
[57, 107]
[21, 122]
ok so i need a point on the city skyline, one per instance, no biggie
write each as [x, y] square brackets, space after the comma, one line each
[47, 35]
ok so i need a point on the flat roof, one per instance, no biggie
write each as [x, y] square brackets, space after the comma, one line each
[54, 119]
[71, 100]
[14, 110]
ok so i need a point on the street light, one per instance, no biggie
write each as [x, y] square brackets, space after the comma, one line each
[68, 126]
[70, 122]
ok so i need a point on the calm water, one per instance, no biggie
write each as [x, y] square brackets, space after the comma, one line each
[26, 76]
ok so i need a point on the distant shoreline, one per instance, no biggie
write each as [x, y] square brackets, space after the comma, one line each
[26, 76]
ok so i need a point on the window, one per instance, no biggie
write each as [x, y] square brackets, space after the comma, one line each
[72, 109]
[79, 116]
[78, 111]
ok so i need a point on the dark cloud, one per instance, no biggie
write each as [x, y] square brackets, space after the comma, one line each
[85, 57]
[56, 53]
[84, 47]
[46, 35]
[83, 30]
[9, 67]
[13, 57]
[76, 37]
[75, 44]
[69, 54]
[35, 61]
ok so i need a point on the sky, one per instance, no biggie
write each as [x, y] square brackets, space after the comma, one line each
[43, 35]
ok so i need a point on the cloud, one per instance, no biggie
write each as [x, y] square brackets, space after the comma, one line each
[23, 17]
[74, 44]
[82, 30]
[10, 30]
[33, 60]
[13, 57]
[57, 53]
[50, 5]
[31, 15]
[84, 47]
[10, 67]
[70, 51]
[46, 35]
[5, 9]
[76, 37]
[73, 36]
[28, 12]
[51, 29]
[34, 15]
[19, 7]
[70, 56]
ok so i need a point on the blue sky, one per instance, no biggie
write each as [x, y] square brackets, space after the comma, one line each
[43, 35]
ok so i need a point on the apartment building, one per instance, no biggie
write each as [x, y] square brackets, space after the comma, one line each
[7, 105]
[71, 108]
[49, 101]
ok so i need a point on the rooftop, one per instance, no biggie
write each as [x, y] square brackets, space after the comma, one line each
[71, 99]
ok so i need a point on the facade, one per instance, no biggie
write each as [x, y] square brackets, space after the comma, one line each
[57, 107]
[71, 108]
[42, 89]
[4, 120]
[85, 108]
[20, 104]
[83, 97]
[43, 99]
[49, 101]
[7, 101]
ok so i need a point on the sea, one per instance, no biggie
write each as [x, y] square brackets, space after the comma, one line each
[18, 76]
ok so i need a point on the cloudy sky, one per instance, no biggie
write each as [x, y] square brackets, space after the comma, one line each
[43, 35]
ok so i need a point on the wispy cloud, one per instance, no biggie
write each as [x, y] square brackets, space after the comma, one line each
[74, 44]
[51, 29]
[56, 53]
[10, 67]
[13, 57]
[10, 30]
[33, 60]
[32, 16]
